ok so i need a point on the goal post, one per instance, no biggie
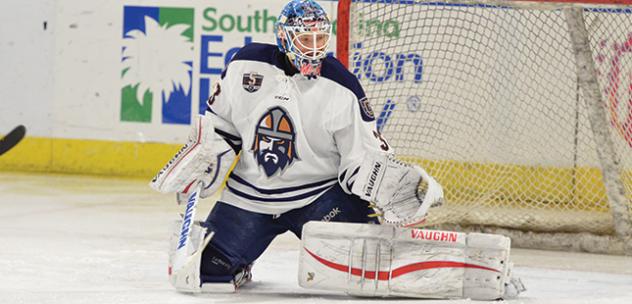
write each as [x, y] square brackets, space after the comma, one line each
[522, 110]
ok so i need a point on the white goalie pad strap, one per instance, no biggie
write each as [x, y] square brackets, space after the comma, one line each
[205, 157]
[381, 260]
[403, 193]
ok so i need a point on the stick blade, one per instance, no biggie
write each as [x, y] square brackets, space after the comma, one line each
[12, 139]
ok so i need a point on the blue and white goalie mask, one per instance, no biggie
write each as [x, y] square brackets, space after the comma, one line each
[303, 32]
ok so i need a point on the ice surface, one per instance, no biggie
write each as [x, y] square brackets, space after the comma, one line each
[70, 239]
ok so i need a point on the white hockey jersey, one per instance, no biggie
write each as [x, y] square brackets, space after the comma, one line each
[297, 136]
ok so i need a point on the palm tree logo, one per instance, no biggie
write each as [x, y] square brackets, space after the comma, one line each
[157, 69]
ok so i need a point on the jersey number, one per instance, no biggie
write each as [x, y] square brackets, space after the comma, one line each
[384, 146]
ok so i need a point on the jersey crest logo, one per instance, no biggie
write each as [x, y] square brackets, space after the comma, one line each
[274, 146]
[252, 82]
[366, 110]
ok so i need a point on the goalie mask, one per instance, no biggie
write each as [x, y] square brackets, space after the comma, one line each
[303, 31]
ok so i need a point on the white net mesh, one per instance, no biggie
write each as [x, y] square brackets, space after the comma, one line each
[486, 98]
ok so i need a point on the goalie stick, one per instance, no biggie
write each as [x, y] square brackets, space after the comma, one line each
[182, 253]
[12, 139]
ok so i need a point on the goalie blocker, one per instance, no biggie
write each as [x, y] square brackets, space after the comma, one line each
[206, 157]
[383, 260]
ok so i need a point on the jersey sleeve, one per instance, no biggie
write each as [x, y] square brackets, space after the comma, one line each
[220, 108]
[355, 133]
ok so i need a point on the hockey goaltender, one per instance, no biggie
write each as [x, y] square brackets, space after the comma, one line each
[310, 160]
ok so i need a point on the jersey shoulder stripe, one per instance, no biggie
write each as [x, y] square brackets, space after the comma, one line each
[334, 70]
[257, 52]
[265, 53]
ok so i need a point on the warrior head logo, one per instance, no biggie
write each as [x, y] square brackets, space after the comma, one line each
[274, 145]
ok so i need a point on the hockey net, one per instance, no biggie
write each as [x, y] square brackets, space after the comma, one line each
[522, 110]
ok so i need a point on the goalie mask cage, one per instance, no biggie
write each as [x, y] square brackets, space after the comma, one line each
[522, 110]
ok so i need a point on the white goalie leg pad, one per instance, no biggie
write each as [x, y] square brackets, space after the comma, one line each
[186, 278]
[403, 193]
[205, 157]
[382, 260]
